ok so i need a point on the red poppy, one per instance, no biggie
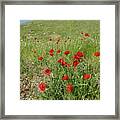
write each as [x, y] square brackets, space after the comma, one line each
[40, 58]
[42, 86]
[75, 63]
[69, 88]
[58, 51]
[87, 35]
[67, 52]
[86, 76]
[78, 55]
[97, 54]
[62, 62]
[51, 52]
[65, 77]
[81, 54]
[47, 71]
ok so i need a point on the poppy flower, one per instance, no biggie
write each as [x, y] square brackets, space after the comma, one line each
[67, 52]
[86, 76]
[62, 62]
[47, 71]
[51, 52]
[69, 88]
[65, 77]
[97, 54]
[87, 35]
[78, 55]
[58, 51]
[75, 63]
[40, 58]
[42, 86]
[81, 54]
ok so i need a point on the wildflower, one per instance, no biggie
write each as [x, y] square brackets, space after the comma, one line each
[81, 54]
[78, 55]
[58, 51]
[86, 76]
[65, 77]
[47, 71]
[62, 62]
[67, 52]
[42, 86]
[69, 88]
[87, 35]
[75, 63]
[97, 54]
[40, 58]
[51, 52]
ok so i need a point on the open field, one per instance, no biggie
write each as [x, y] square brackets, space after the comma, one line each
[60, 60]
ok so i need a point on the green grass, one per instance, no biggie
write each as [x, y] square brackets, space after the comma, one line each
[37, 38]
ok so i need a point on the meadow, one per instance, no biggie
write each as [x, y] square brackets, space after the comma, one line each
[60, 60]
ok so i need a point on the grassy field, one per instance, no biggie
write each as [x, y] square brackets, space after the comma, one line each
[60, 60]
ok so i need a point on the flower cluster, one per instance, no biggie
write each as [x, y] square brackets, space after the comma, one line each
[51, 52]
[85, 34]
[61, 61]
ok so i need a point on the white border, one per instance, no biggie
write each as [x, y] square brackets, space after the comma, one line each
[13, 15]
